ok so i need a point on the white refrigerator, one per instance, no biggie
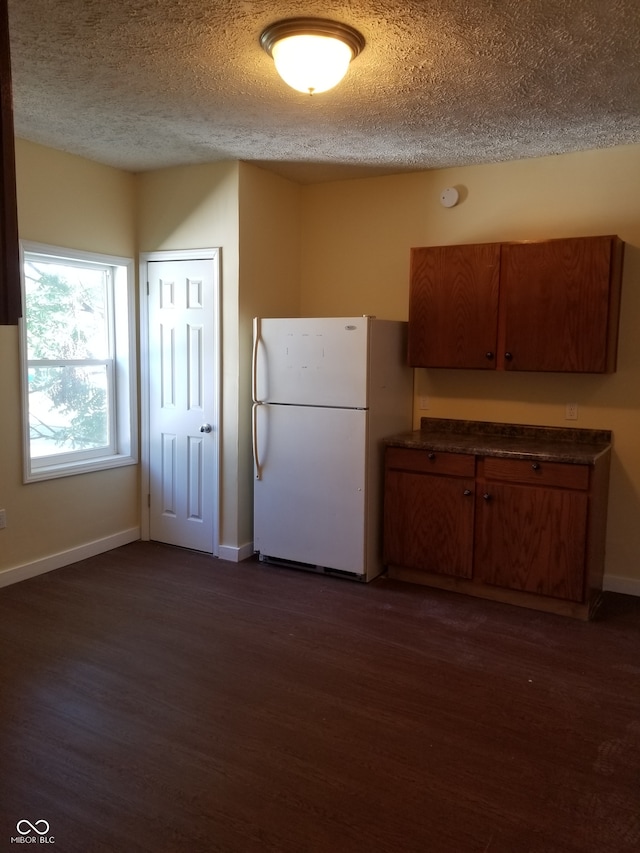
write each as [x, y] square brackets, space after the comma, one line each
[326, 391]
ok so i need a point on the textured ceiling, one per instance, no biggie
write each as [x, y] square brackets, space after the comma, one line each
[143, 84]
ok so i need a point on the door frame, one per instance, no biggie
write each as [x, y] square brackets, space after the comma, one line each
[209, 254]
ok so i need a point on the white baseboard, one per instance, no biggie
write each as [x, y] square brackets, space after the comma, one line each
[627, 586]
[65, 558]
[611, 583]
[235, 555]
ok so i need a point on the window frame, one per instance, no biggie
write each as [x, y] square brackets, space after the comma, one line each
[123, 446]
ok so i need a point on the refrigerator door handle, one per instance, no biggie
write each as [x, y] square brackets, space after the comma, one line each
[254, 359]
[254, 439]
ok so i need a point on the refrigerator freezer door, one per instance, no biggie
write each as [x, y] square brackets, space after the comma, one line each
[310, 501]
[312, 362]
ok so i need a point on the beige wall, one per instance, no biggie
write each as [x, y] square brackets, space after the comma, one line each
[356, 237]
[196, 207]
[326, 249]
[253, 217]
[270, 287]
[72, 202]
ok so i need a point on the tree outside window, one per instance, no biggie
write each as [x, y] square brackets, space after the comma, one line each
[69, 357]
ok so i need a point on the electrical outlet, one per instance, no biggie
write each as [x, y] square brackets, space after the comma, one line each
[424, 402]
[571, 413]
[3, 519]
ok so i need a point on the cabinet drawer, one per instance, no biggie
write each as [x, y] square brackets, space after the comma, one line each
[562, 474]
[431, 461]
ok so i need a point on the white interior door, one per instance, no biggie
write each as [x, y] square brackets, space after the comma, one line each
[183, 432]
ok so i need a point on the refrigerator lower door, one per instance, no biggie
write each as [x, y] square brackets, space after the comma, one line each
[309, 503]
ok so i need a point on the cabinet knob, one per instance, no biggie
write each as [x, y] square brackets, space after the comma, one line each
[508, 356]
[486, 496]
[489, 355]
[431, 455]
[466, 493]
[536, 466]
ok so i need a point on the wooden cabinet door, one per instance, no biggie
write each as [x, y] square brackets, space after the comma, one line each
[532, 539]
[560, 304]
[453, 306]
[428, 522]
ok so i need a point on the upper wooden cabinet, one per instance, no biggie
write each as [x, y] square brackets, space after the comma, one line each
[453, 307]
[547, 306]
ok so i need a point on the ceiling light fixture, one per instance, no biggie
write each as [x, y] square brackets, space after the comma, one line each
[311, 54]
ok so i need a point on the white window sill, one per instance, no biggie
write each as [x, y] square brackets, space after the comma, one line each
[69, 469]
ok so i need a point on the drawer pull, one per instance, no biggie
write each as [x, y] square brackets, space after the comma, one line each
[486, 496]
[489, 356]
[431, 455]
[466, 493]
[508, 356]
[536, 466]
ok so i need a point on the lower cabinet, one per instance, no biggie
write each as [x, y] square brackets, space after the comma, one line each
[429, 509]
[531, 536]
[527, 532]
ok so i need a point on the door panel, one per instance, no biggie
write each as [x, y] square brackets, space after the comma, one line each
[532, 539]
[182, 395]
[310, 498]
[313, 361]
[556, 294]
[429, 522]
[458, 282]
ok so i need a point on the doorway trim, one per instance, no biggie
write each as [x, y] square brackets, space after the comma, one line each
[209, 254]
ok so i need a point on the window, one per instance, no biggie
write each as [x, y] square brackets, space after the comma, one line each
[77, 362]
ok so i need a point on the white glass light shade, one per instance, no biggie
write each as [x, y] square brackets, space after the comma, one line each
[311, 63]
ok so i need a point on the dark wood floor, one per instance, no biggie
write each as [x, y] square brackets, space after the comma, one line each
[158, 700]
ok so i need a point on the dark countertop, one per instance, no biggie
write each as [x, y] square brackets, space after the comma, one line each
[516, 441]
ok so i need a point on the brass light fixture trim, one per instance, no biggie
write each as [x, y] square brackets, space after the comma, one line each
[312, 27]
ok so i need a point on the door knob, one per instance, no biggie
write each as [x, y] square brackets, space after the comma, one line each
[206, 428]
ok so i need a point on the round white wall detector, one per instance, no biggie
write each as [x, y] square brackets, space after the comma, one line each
[449, 197]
